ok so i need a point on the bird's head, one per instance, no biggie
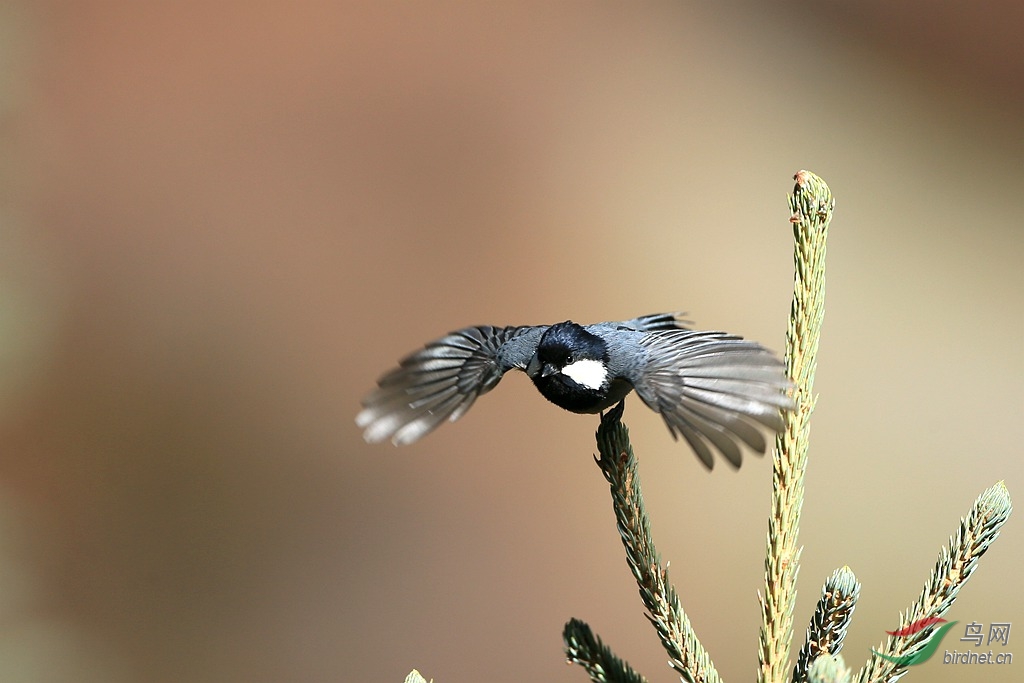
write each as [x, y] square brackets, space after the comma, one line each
[571, 356]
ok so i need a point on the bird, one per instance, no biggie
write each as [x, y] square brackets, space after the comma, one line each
[717, 391]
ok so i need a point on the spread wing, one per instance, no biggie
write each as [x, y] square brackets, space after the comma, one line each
[655, 321]
[442, 380]
[715, 390]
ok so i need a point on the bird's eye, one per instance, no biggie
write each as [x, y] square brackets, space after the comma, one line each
[569, 360]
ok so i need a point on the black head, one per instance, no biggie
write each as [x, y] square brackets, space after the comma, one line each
[571, 368]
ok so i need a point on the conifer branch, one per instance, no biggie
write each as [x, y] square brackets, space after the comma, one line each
[828, 669]
[811, 204]
[619, 466]
[831, 619]
[957, 561]
[602, 665]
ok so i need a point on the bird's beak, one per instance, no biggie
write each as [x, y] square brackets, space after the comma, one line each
[538, 369]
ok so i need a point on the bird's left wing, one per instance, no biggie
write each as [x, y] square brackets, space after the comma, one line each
[442, 380]
[713, 389]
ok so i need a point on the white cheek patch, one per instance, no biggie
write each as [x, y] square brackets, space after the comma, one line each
[587, 373]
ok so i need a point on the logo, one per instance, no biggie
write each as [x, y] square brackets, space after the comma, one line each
[917, 626]
[924, 654]
[999, 632]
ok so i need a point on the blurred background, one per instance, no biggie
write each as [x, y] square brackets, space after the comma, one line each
[221, 222]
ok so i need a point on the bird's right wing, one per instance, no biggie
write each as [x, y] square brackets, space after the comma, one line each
[442, 380]
[714, 389]
[655, 321]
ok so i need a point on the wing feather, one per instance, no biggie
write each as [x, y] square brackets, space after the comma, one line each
[714, 390]
[442, 380]
[655, 321]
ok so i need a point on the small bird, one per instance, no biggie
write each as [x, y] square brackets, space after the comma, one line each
[713, 389]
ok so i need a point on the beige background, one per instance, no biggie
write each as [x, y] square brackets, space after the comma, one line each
[221, 222]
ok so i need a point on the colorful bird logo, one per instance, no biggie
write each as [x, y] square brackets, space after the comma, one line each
[928, 650]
